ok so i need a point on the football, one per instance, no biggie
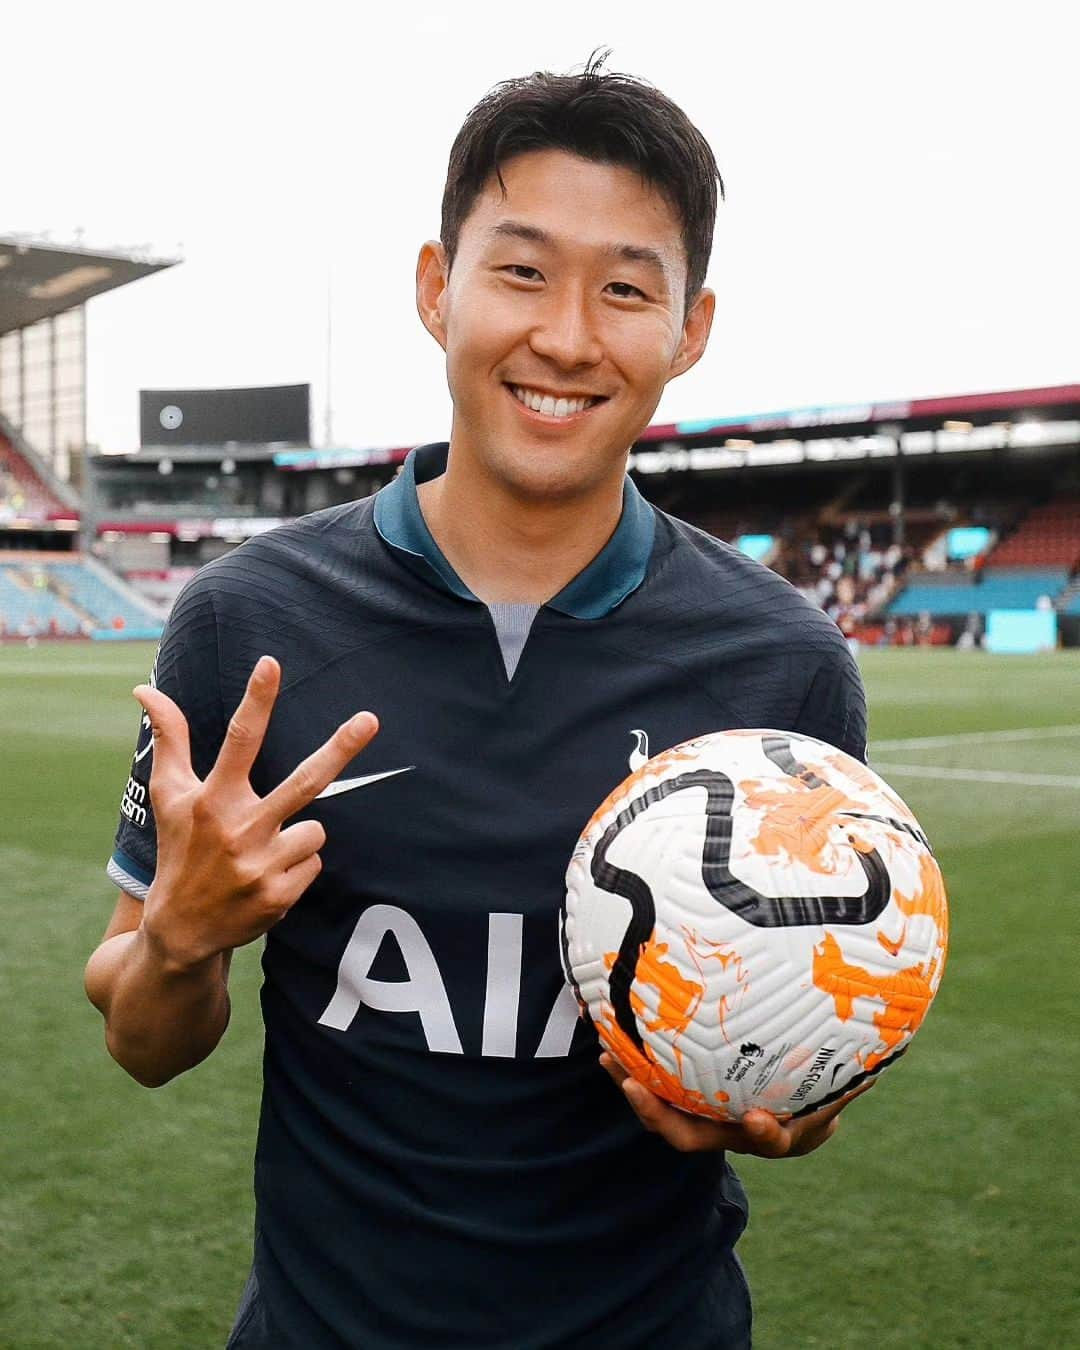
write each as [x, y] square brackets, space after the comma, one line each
[754, 919]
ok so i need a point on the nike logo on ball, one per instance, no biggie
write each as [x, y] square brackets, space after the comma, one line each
[347, 784]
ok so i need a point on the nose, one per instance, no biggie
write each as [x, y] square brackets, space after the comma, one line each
[565, 331]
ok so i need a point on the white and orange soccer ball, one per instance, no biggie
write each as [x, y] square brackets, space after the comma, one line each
[754, 919]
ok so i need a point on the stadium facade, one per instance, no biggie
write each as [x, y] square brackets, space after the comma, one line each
[913, 521]
[47, 588]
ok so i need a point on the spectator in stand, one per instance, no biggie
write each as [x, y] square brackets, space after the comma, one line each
[970, 638]
[848, 577]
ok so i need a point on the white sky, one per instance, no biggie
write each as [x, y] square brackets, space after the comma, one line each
[903, 209]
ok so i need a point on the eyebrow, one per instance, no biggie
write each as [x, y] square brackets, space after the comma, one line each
[639, 253]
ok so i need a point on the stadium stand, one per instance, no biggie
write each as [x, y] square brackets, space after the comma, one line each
[23, 492]
[1049, 536]
[41, 596]
[87, 585]
[29, 609]
[1004, 588]
[915, 522]
[1028, 569]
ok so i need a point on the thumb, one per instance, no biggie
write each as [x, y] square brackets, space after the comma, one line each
[172, 742]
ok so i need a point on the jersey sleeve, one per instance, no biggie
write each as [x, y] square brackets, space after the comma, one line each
[834, 709]
[187, 668]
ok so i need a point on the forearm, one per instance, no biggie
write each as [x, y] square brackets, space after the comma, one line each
[160, 1019]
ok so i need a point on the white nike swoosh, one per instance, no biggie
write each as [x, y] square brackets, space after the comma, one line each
[347, 784]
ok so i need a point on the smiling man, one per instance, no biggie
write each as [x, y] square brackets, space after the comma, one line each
[562, 302]
[442, 1160]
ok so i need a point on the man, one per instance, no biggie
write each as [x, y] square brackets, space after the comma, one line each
[441, 1161]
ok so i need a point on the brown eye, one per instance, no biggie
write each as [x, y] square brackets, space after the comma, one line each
[627, 292]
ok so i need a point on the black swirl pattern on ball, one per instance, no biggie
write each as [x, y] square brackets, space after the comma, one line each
[762, 911]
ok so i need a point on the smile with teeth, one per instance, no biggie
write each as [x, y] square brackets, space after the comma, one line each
[548, 405]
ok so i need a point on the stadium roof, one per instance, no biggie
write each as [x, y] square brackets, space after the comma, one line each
[955, 406]
[38, 280]
[956, 415]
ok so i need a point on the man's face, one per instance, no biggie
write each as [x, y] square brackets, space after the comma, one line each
[565, 294]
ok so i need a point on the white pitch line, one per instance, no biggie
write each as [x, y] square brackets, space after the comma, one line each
[976, 775]
[978, 737]
[58, 672]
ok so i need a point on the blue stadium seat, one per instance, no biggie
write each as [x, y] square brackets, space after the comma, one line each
[999, 588]
[106, 604]
[32, 612]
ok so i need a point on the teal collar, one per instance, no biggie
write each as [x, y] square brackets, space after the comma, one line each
[616, 571]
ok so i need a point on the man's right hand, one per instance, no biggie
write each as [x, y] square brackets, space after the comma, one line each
[228, 868]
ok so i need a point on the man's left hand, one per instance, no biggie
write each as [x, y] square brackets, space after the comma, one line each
[759, 1132]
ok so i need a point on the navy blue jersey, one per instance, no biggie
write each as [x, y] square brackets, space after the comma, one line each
[441, 1162]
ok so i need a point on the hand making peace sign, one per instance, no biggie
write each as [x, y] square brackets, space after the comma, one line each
[228, 868]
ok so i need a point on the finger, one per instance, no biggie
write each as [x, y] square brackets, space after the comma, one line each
[298, 843]
[247, 726]
[682, 1131]
[831, 1111]
[320, 769]
[644, 1104]
[689, 1134]
[807, 1140]
[767, 1137]
[172, 743]
[860, 1091]
[810, 1132]
[611, 1066]
[300, 877]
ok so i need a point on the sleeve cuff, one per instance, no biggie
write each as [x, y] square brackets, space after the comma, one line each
[126, 873]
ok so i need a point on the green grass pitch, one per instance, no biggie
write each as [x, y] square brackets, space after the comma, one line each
[943, 1214]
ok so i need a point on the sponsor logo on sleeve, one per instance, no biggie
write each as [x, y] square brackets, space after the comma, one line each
[133, 802]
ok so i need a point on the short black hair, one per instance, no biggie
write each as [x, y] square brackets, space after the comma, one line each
[607, 117]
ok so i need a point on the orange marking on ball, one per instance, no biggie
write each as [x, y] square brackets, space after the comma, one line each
[800, 822]
[905, 995]
[702, 950]
[929, 899]
[679, 999]
[890, 946]
[652, 1075]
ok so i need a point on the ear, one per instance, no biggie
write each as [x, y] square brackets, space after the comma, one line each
[432, 273]
[695, 334]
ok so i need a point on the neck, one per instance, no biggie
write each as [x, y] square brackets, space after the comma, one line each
[510, 549]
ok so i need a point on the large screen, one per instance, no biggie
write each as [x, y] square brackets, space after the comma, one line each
[274, 413]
